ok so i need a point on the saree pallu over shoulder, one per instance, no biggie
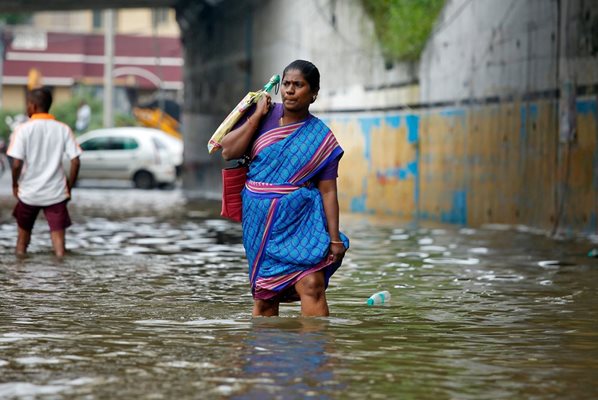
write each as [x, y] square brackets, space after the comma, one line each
[284, 225]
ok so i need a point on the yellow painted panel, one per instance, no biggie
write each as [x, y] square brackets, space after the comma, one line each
[495, 163]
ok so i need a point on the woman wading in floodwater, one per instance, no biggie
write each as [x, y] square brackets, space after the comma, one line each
[290, 204]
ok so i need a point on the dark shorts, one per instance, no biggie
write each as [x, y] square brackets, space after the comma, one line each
[57, 215]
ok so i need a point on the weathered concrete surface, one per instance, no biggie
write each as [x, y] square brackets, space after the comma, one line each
[509, 48]
[472, 165]
[17, 6]
[235, 47]
[503, 127]
[487, 140]
[502, 135]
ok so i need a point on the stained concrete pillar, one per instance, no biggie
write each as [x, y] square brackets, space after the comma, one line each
[216, 75]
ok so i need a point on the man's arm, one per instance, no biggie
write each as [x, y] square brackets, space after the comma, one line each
[17, 167]
[75, 164]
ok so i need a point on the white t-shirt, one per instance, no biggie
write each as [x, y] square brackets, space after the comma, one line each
[41, 143]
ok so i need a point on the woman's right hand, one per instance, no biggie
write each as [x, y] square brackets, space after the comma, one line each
[263, 105]
[236, 142]
[337, 252]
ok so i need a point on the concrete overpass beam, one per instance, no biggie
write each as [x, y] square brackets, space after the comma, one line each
[217, 69]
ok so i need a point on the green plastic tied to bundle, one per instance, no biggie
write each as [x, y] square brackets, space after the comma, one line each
[236, 114]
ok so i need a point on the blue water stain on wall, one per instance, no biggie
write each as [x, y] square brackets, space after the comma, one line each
[458, 212]
[367, 125]
[358, 204]
[393, 121]
[412, 167]
[336, 119]
[454, 115]
[586, 107]
[454, 112]
[400, 173]
[523, 123]
[393, 173]
[533, 111]
[412, 128]
[527, 111]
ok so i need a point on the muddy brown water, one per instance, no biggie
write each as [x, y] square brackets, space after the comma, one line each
[153, 302]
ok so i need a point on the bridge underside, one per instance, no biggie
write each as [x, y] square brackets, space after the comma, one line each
[217, 74]
[19, 6]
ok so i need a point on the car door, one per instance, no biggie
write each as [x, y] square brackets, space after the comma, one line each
[121, 155]
[92, 159]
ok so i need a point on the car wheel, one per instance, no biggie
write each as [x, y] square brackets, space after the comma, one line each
[144, 180]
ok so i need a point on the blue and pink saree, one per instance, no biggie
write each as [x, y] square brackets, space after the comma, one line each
[284, 225]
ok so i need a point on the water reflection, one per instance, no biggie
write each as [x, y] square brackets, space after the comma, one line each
[289, 358]
[153, 302]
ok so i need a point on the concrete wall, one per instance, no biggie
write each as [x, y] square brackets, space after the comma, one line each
[472, 165]
[506, 130]
[339, 38]
[491, 48]
[502, 128]
[236, 46]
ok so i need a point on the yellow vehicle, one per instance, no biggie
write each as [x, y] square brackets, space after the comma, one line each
[154, 117]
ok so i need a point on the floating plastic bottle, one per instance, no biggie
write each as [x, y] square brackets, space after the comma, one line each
[382, 297]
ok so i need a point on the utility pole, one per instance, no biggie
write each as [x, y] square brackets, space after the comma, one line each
[108, 68]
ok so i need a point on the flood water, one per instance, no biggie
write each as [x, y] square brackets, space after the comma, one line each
[153, 302]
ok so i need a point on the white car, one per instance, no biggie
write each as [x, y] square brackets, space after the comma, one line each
[148, 157]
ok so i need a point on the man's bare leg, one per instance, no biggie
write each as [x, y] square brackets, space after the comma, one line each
[58, 242]
[23, 239]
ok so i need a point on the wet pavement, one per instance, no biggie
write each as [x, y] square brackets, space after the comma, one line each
[153, 302]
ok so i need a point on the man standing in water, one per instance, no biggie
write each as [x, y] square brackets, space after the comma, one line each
[38, 179]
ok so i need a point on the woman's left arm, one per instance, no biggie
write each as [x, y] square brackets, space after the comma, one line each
[330, 200]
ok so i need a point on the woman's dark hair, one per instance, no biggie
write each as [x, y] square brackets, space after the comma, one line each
[308, 70]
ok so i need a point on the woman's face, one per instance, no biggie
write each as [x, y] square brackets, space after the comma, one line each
[295, 92]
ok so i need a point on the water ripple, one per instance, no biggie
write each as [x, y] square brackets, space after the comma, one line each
[157, 294]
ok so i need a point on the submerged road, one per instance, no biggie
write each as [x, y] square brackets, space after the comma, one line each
[153, 302]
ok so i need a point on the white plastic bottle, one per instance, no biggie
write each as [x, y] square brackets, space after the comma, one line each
[382, 297]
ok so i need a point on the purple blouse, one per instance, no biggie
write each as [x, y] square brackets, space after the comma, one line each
[271, 121]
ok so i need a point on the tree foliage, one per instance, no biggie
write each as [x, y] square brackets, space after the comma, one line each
[4, 128]
[66, 112]
[403, 26]
[14, 19]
